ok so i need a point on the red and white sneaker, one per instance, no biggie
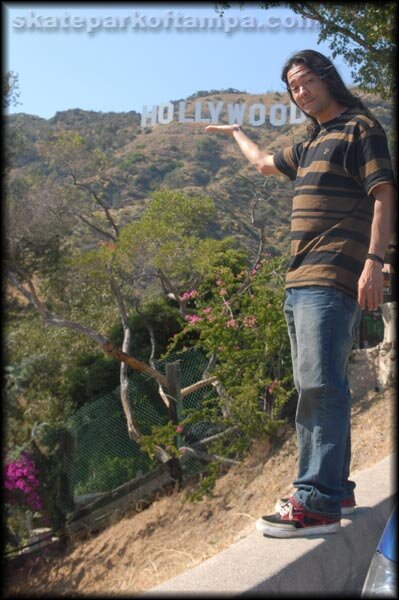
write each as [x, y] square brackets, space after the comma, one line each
[294, 521]
[348, 505]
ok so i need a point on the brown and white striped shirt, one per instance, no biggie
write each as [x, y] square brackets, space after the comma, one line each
[333, 206]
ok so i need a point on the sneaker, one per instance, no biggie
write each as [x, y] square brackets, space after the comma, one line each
[348, 505]
[294, 521]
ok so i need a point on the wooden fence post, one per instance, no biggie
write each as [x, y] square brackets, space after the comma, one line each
[173, 378]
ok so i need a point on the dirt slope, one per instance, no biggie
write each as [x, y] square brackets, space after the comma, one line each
[173, 535]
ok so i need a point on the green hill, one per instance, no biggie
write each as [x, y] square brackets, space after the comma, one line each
[183, 156]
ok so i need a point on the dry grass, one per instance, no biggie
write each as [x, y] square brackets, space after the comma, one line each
[173, 535]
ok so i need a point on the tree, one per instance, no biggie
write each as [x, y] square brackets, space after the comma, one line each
[14, 137]
[10, 89]
[45, 265]
[362, 33]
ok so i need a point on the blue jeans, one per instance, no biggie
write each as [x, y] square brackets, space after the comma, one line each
[321, 322]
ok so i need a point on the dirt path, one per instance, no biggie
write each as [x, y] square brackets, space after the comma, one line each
[173, 535]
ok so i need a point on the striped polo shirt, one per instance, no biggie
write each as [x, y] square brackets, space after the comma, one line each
[334, 174]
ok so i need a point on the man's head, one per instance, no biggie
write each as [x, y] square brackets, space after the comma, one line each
[313, 83]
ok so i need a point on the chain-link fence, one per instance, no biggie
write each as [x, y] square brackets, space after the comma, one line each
[104, 456]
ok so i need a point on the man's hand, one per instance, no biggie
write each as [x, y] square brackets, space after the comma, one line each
[225, 129]
[371, 286]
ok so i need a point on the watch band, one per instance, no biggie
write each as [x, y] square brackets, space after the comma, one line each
[375, 257]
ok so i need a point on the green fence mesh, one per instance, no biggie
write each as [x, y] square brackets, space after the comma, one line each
[104, 456]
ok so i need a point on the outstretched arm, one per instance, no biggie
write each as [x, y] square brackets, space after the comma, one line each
[262, 161]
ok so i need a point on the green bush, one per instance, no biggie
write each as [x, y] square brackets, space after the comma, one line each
[239, 318]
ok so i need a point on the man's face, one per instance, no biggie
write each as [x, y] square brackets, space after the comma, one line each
[308, 91]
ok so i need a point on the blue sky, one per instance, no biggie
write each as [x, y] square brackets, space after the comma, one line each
[145, 54]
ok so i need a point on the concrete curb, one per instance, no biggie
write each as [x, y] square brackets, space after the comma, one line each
[321, 564]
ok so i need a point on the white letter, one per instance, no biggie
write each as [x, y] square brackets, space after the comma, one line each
[262, 115]
[18, 22]
[283, 117]
[236, 113]
[215, 112]
[64, 21]
[273, 22]
[289, 22]
[248, 23]
[182, 113]
[230, 23]
[50, 22]
[138, 20]
[177, 21]
[169, 115]
[77, 22]
[294, 118]
[33, 21]
[93, 23]
[215, 22]
[153, 21]
[149, 114]
[167, 19]
[197, 114]
[190, 23]
[110, 22]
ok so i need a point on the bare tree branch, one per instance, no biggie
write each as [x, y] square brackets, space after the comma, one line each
[208, 457]
[165, 397]
[103, 233]
[198, 385]
[97, 337]
[98, 201]
[132, 428]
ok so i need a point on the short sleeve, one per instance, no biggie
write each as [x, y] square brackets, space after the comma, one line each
[287, 160]
[369, 161]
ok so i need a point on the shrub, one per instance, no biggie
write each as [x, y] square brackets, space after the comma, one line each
[239, 318]
[21, 482]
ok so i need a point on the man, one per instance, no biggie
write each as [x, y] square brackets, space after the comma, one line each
[343, 209]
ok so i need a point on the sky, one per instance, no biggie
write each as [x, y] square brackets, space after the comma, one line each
[110, 57]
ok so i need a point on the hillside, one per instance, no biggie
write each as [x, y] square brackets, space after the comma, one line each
[181, 155]
[141, 549]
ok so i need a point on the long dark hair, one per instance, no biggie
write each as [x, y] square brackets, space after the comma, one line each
[323, 68]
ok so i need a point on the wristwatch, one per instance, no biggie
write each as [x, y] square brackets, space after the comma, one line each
[375, 257]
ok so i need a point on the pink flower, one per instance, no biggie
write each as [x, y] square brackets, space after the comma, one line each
[188, 295]
[271, 387]
[179, 429]
[249, 322]
[192, 319]
[223, 292]
[232, 323]
[207, 310]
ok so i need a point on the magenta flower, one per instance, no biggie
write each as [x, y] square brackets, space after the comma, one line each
[22, 483]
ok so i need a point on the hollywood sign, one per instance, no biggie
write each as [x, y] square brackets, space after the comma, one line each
[254, 114]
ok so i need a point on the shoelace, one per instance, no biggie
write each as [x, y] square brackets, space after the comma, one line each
[287, 509]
